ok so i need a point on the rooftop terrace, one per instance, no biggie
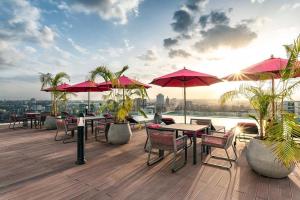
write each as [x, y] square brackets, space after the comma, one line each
[34, 166]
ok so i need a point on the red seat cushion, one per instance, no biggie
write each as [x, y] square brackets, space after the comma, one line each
[191, 133]
[153, 126]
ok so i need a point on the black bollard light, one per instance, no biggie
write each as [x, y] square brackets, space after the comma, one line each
[80, 141]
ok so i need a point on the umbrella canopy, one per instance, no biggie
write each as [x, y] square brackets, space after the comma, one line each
[61, 88]
[267, 69]
[255, 72]
[185, 78]
[125, 82]
[86, 86]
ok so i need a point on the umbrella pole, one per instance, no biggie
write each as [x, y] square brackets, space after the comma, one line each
[123, 96]
[89, 96]
[273, 100]
[184, 94]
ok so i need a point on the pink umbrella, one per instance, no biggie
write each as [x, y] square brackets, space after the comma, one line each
[125, 82]
[267, 69]
[60, 88]
[185, 78]
[87, 86]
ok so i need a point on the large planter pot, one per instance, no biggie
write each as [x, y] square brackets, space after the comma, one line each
[119, 133]
[263, 161]
[50, 123]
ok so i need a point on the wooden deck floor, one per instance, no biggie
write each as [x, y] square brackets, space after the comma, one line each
[33, 166]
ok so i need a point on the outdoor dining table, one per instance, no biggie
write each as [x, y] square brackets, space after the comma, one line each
[188, 127]
[91, 119]
[32, 116]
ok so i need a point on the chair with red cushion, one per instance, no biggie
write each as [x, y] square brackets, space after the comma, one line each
[66, 126]
[200, 133]
[168, 120]
[165, 140]
[101, 128]
[221, 141]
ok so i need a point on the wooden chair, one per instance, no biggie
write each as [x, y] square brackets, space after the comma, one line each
[221, 141]
[68, 128]
[165, 140]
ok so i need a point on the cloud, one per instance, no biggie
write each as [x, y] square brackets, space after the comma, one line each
[225, 36]
[127, 44]
[150, 55]
[183, 20]
[24, 24]
[178, 53]
[257, 1]
[115, 10]
[77, 47]
[9, 55]
[287, 6]
[30, 49]
[169, 42]
[195, 4]
[214, 18]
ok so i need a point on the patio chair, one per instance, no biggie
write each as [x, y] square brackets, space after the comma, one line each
[211, 128]
[165, 140]
[14, 118]
[221, 141]
[132, 121]
[149, 125]
[245, 131]
[101, 128]
[67, 127]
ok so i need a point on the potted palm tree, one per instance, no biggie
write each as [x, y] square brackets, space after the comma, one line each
[49, 80]
[119, 102]
[275, 153]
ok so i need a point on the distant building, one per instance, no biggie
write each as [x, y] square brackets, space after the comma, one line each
[292, 107]
[160, 102]
[139, 103]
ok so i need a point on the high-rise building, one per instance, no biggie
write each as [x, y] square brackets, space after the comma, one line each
[292, 107]
[160, 102]
[139, 103]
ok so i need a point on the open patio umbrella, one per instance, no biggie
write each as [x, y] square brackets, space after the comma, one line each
[267, 69]
[87, 86]
[185, 78]
[60, 88]
[125, 82]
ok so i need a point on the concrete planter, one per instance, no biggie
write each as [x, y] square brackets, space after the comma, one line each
[50, 123]
[119, 133]
[263, 161]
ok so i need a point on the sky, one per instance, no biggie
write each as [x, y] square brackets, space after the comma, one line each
[152, 37]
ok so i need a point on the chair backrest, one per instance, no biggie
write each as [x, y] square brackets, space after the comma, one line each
[229, 139]
[61, 124]
[161, 138]
[168, 120]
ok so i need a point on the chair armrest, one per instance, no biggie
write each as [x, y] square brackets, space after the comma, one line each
[213, 139]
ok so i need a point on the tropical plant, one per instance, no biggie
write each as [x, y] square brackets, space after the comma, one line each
[120, 100]
[283, 131]
[50, 80]
[259, 99]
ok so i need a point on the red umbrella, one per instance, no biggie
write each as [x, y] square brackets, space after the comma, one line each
[267, 69]
[125, 82]
[185, 78]
[87, 86]
[61, 88]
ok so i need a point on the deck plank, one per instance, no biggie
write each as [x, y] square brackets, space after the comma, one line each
[34, 166]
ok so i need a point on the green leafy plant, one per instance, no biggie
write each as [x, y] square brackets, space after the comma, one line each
[50, 80]
[120, 100]
[259, 99]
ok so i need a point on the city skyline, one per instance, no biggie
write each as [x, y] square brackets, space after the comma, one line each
[215, 37]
